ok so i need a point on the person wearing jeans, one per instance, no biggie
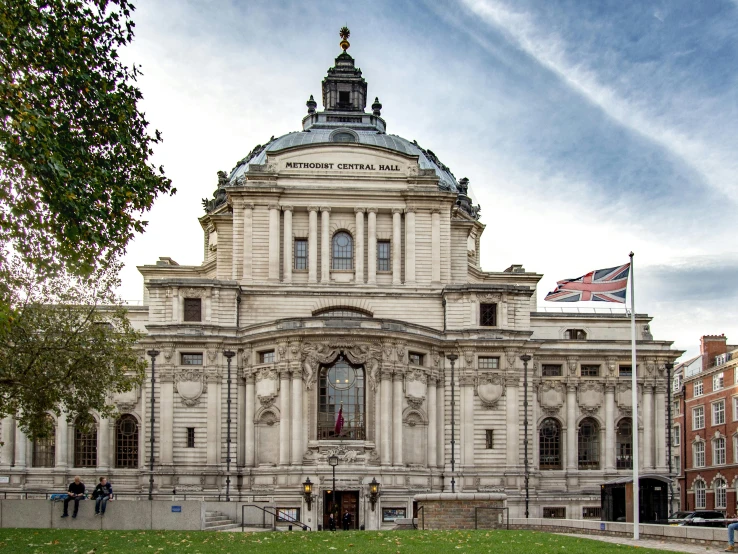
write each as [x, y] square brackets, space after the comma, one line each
[75, 492]
[102, 493]
[731, 536]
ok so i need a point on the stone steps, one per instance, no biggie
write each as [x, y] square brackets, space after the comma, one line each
[217, 521]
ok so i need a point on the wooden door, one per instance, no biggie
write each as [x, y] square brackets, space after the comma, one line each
[350, 503]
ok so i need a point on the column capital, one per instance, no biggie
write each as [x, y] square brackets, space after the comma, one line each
[297, 374]
[273, 206]
[435, 210]
[372, 210]
[287, 208]
[411, 210]
[325, 209]
[359, 210]
[247, 206]
[398, 210]
[313, 208]
[398, 376]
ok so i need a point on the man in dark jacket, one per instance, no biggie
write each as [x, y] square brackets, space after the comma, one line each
[102, 493]
[346, 521]
[75, 492]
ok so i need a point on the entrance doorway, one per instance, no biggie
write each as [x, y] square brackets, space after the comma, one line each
[346, 501]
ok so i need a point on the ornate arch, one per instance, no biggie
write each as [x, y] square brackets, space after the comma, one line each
[414, 416]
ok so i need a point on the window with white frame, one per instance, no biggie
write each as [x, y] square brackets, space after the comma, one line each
[698, 417]
[718, 452]
[676, 436]
[676, 409]
[718, 381]
[677, 466]
[718, 412]
[700, 496]
[721, 493]
[698, 388]
[699, 454]
[735, 449]
[735, 407]
[676, 384]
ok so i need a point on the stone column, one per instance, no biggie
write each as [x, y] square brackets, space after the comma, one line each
[466, 382]
[410, 246]
[8, 436]
[431, 457]
[441, 422]
[325, 245]
[436, 246]
[648, 427]
[660, 429]
[284, 418]
[273, 242]
[571, 428]
[166, 418]
[397, 399]
[236, 246]
[359, 266]
[296, 408]
[396, 246]
[313, 244]
[21, 444]
[208, 305]
[514, 430]
[287, 257]
[248, 214]
[609, 427]
[213, 440]
[62, 440]
[176, 318]
[385, 416]
[103, 456]
[372, 252]
[249, 412]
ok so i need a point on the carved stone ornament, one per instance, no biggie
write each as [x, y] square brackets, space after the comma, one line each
[551, 410]
[611, 365]
[282, 351]
[266, 373]
[192, 293]
[572, 363]
[321, 353]
[551, 394]
[490, 388]
[510, 355]
[268, 400]
[484, 298]
[190, 384]
[168, 352]
[469, 358]
[650, 366]
[436, 356]
[589, 395]
[417, 375]
[212, 356]
[589, 410]
[345, 454]
[415, 402]
[125, 407]
[401, 350]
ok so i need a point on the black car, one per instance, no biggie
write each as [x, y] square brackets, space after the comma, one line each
[700, 518]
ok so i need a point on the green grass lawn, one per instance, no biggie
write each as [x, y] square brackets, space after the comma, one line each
[388, 542]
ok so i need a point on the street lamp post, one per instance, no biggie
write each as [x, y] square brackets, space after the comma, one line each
[229, 355]
[333, 462]
[153, 353]
[526, 358]
[452, 358]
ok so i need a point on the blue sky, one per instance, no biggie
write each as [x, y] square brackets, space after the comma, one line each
[587, 129]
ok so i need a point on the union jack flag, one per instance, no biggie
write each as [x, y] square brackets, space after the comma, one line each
[600, 285]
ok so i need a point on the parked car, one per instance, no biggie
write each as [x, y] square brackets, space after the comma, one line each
[703, 518]
[677, 517]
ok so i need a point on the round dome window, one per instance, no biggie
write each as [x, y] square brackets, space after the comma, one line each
[343, 137]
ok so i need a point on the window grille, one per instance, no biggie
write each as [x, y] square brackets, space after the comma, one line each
[698, 417]
[718, 413]
[700, 495]
[551, 370]
[488, 362]
[192, 309]
[558, 512]
[85, 443]
[589, 445]
[488, 315]
[190, 437]
[301, 254]
[489, 439]
[721, 494]
[549, 443]
[590, 371]
[699, 454]
[266, 357]
[190, 358]
[341, 388]
[624, 446]
[383, 255]
[625, 371]
[343, 251]
[698, 388]
[591, 512]
[340, 312]
[126, 442]
[718, 452]
[44, 450]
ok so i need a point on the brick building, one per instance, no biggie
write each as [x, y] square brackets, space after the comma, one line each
[706, 427]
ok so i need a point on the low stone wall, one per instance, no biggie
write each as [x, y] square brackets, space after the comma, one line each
[456, 510]
[709, 536]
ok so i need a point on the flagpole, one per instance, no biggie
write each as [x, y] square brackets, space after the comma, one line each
[634, 391]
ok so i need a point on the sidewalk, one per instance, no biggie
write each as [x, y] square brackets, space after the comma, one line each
[656, 544]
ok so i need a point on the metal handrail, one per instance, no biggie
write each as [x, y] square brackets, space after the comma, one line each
[265, 511]
[415, 525]
[23, 495]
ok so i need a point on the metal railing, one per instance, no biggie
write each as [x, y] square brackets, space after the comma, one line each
[505, 510]
[276, 517]
[415, 525]
[126, 495]
[582, 310]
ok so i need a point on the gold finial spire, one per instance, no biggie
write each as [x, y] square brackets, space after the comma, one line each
[344, 33]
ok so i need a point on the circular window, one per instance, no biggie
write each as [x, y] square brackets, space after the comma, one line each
[342, 376]
[343, 137]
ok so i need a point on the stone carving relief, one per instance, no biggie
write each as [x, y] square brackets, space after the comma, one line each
[490, 388]
[266, 381]
[611, 366]
[192, 293]
[510, 355]
[345, 454]
[401, 351]
[416, 381]
[267, 400]
[551, 395]
[415, 402]
[623, 396]
[469, 358]
[212, 356]
[190, 384]
[589, 396]
[321, 353]
[572, 364]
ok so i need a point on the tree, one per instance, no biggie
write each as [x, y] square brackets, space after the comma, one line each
[69, 346]
[75, 174]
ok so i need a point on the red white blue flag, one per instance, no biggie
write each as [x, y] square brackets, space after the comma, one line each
[600, 285]
[339, 421]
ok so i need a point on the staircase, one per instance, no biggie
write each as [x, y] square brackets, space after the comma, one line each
[217, 521]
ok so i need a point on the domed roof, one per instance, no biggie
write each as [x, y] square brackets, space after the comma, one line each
[369, 136]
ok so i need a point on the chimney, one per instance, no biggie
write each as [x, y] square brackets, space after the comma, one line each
[711, 346]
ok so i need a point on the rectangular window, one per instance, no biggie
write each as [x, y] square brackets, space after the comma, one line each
[676, 436]
[551, 370]
[591, 512]
[415, 358]
[699, 454]
[266, 357]
[625, 371]
[488, 315]
[488, 362]
[697, 388]
[554, 513]
[698, 418]
[301, 254]
[489, 439]
[676, 408]
[190, 437]
[676, 384]
[735, 408]
[575, 334]
[590, 371]
[192, 309]
[718, 413]
[192, 358]
[718, 381]
[288, 515]
[383, 255]
[718, 452]
[677, 465]
[391, 514]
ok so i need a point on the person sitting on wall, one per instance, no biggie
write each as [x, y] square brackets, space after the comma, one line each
[102, 493]
[76, 492]
[731, 537]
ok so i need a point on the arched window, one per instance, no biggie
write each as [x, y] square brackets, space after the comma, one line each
[624, 444]
[341, 392]
[343, 137]
[718, 452]
[721, 493]
[85, 442]
[343, 251]
[126, 441]
[700, 494]
[341, 312]
[589, 444]
[699, 454]
[549, 443]
[44, 449]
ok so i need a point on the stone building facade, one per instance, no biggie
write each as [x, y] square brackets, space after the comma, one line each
[342, 267]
